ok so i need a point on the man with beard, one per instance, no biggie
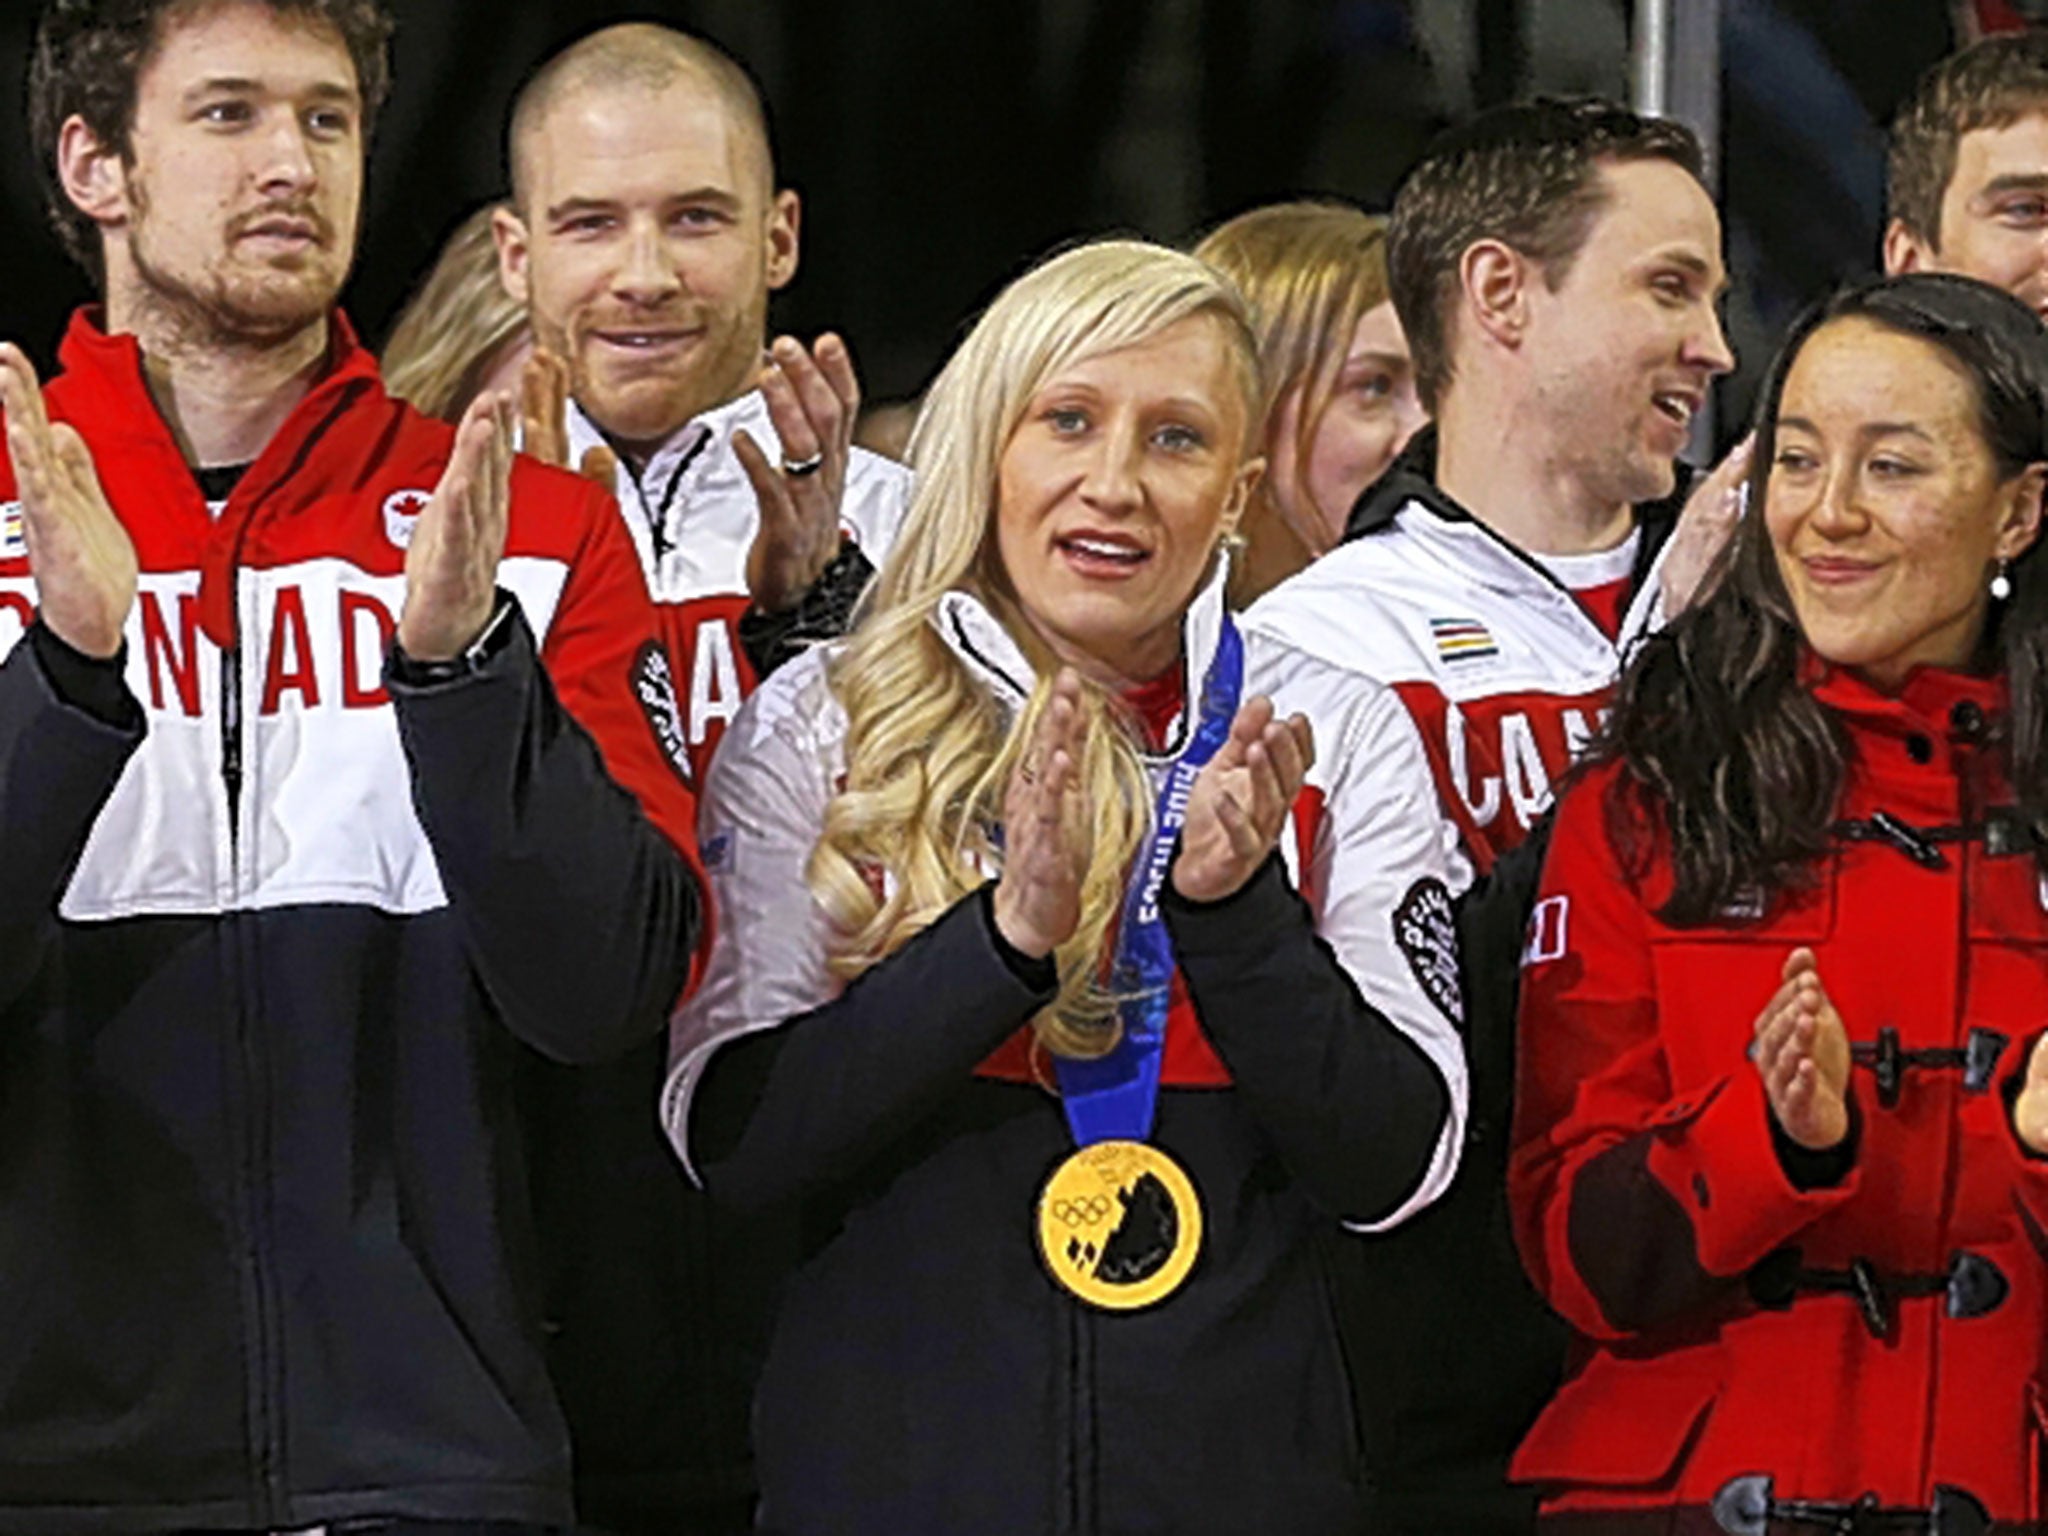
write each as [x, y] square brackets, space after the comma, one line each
[645, 235]
[1556, 267]
[282, 910]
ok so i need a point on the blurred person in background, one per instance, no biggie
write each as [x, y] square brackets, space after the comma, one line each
[1967, 173]
[1066, 1099]
[460, 335]
[1789, 1191]
[1556, 267]
[1314, 275]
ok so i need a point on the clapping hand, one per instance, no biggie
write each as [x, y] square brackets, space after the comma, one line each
[1045, 835]
[83, 560]
[2030, 1109]
[451, 566]
[813, 398]
[1240, 801]
[1708, 521]
[544, 420]
[1801, 1052]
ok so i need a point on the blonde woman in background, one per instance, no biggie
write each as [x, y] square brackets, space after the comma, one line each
[1013, 1000]
[1341, 388]
[460, 333]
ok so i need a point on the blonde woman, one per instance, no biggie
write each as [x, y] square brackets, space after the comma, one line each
[1013, 998]
[460, 334]
[1340, 383]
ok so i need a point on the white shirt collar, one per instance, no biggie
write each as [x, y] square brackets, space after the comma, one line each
[992, 654]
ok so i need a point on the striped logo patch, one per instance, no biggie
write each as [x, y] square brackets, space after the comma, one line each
[1462, 639]
[13, 535]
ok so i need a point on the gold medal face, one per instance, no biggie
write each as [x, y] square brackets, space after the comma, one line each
[1119, 1225]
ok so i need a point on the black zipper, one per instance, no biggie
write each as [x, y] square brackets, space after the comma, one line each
[1077, 1514]
[656, 513]
[231, 744]
[249, 1102]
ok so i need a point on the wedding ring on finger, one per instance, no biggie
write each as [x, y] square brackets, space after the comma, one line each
[796, 469]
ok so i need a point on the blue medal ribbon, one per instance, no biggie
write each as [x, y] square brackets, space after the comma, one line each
[1114, 1097]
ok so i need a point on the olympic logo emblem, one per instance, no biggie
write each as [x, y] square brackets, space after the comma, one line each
[1088, 1211]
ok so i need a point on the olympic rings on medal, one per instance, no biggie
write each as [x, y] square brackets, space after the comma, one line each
[1089, 1210]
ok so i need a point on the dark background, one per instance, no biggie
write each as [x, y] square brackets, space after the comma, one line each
[940, 145]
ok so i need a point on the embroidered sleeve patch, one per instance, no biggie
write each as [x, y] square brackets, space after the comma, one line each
[1426, 932]
[654, 685]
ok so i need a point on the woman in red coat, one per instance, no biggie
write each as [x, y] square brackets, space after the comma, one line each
[1782, 1115]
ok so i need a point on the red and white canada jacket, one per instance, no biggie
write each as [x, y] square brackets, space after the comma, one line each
[298, 580]
[274, 934]
[1504, 671]
[1884, 1333]
[692, 516]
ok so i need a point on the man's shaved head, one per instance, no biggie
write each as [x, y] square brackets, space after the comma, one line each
[646, 232]
[647, 58]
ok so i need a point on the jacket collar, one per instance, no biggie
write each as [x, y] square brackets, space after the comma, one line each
[685, 446]
[1929, 697]
[692, 463]
[104, 392]
[1411, 480]
[1408, 494]
[974, 633]
[105, 371]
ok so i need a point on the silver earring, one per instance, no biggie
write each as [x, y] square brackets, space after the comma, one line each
[2001, 582]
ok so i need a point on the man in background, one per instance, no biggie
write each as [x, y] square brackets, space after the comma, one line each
[645, 235]
[1556, 267]
[1966, 180]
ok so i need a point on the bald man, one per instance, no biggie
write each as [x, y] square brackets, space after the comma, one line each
[645, 235]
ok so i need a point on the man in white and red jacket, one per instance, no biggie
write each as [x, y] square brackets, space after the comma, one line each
[1556, 267]
[646, 234]
[284, 899]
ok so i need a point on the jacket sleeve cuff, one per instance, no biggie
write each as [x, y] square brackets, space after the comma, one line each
[1243, 920]
[1713, 1150]
[491, 642]
[1809, 1169]
[1040, 973]
[96, 685]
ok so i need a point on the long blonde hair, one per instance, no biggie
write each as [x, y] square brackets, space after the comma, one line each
[929, 753]
[1309, 272]
[456, 323]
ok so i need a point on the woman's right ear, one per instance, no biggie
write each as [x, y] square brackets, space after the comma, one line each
[2022, 525]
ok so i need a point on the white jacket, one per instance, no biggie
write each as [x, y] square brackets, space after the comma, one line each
[692, 515]
[1366, 849]
[1504, 673]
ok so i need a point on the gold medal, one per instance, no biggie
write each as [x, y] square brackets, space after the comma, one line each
[1119, 1225]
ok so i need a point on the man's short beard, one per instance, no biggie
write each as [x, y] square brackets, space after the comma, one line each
[711, 383]
[214, 314]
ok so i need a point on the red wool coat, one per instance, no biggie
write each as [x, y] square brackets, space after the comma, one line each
[1722, 1329]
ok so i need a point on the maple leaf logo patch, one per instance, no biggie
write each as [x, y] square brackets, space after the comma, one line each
[402, 511]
